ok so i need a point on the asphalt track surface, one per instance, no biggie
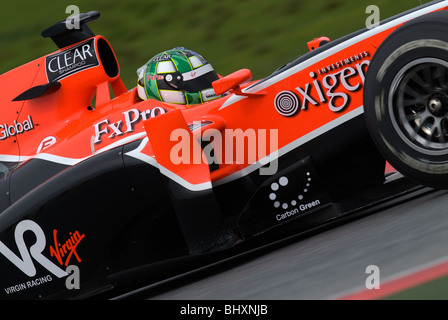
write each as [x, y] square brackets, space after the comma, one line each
[332, 264]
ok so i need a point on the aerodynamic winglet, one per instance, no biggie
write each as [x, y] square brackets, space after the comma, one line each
[63, 37]
[38, 91]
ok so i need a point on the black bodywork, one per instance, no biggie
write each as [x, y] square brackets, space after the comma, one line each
[139, 227]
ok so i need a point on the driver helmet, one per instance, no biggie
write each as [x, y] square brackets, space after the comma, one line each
[178, 76]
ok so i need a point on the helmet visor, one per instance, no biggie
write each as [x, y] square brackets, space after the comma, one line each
[198, 79]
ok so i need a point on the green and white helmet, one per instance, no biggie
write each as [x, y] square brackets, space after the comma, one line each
[178, 76]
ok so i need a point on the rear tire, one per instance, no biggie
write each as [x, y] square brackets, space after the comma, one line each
[406, 99]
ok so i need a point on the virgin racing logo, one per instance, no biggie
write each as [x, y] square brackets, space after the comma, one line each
[68, 249]
[24, 261]
[288, 103]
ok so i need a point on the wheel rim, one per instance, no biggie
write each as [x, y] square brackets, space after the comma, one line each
[418, 105]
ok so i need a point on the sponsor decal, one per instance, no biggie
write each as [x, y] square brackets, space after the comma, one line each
[64, 252]
[163, 57]
[29, 255]
[131, 117]
[287, 103]
[70, 61]
[46, 143]
[156, 77]
[7, 131]
[333, 89]
[300, 209]
[295, 204]
[341, 63]
[28, 284]
[283, 182]
[24, 262]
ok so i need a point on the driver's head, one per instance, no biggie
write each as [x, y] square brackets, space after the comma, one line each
[178, 76]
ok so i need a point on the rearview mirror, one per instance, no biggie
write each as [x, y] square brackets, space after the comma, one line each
[233, 82]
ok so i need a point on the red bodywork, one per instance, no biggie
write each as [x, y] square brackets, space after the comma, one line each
[65, 127]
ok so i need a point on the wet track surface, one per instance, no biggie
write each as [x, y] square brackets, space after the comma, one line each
[332, 263]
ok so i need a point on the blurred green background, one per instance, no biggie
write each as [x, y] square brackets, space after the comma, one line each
[261, 35]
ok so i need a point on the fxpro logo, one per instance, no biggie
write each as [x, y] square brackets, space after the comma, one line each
[70, 61]
[333, 89]
[24, 261]
[131, 117]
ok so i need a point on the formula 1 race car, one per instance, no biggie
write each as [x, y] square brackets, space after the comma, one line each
[102, 193]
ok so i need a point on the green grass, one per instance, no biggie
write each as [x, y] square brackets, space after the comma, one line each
[433, 290]
[260, 35]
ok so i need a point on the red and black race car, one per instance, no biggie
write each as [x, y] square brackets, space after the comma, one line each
[102, 193]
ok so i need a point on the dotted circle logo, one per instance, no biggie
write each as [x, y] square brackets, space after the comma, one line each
[286, 103]
[283, 182]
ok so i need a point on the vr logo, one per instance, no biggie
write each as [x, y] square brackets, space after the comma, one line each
[24, 261]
